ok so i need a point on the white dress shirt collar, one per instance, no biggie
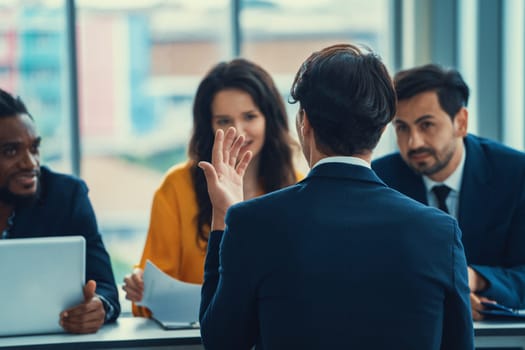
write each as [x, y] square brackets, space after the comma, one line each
[343, 159]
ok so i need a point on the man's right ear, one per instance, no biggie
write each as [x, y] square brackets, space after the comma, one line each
[461, 122]
[306, 127]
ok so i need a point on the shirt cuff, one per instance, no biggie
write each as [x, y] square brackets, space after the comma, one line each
[108, 307]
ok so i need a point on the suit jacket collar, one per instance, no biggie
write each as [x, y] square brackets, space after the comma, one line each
[344, 171]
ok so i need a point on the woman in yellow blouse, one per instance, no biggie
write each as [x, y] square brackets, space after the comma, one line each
[238, 93]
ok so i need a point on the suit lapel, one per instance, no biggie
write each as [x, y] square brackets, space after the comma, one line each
[476, 176]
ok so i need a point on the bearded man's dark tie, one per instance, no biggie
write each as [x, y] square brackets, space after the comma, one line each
[441, 193]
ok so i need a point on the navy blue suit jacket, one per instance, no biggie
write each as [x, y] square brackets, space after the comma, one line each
[337, 261]
[64, 209]
[491, 212]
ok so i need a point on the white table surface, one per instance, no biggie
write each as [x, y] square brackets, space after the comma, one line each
[127, 332]
[141, 333]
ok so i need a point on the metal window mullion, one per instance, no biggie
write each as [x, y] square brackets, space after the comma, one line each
[71, 49]
[513, 72]
[236, 39]
[489, 69]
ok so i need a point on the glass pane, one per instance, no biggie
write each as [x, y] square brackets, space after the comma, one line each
[281, 34]
[33, 65]
[139, 66]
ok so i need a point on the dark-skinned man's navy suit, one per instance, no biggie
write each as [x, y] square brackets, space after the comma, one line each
[63, 209]
[491, 212]
[337, 261]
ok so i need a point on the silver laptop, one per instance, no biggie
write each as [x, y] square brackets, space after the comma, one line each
[39, 278]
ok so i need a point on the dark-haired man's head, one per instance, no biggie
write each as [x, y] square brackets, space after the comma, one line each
[346, 97]
[19, 152]
[431, 119]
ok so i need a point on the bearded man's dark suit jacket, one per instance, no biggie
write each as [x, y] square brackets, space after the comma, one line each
[491, 212]
[63, 208]
[337, 261]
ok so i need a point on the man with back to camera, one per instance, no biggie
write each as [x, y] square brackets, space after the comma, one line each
[485, 181]
[36, 202]
[337, 261]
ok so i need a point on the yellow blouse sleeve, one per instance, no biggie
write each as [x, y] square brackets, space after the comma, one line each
[163, 247]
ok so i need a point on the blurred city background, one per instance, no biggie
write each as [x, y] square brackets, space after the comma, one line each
[139, 64]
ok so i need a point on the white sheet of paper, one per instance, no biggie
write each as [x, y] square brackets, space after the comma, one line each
[171, 301]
